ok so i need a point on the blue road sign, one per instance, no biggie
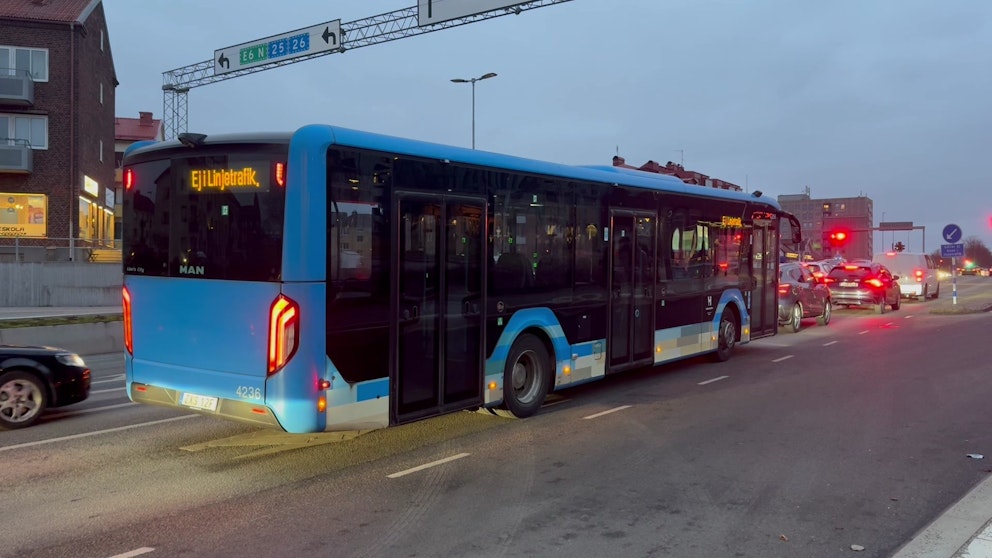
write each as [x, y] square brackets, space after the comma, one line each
[952, 234]
[952, 250]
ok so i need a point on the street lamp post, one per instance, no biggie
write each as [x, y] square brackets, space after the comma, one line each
[472, 81]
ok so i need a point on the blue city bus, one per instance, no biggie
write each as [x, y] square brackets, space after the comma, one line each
[332, 279]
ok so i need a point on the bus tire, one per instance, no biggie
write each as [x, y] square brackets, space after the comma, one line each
[726, 337]
[526, 377]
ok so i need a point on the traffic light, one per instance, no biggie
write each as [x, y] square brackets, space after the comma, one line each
[838, 238]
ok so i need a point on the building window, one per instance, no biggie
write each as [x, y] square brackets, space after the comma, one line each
[32, 130]
[101, 93]
[101, 40]
[18, 61]
[101, 150]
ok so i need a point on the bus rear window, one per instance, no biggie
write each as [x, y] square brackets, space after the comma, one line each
[215, 215]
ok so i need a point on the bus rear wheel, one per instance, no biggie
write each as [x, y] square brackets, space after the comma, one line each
[726, 337]
[526, 376]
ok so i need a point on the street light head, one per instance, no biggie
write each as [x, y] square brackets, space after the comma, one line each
[489, 75]
[459, 80]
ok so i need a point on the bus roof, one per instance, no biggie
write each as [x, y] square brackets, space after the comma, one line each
[316, 134]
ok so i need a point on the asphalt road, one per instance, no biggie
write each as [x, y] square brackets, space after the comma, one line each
[857, 433]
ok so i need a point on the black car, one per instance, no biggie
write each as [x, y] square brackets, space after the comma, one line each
[33, 379]
[801, 295]
[864, 283]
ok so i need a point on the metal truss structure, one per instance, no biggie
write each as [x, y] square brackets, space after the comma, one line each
[369, 31]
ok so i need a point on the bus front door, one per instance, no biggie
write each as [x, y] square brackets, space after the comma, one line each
[437, 328]
[632, 265]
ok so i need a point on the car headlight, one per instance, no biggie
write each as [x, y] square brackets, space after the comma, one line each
[70, 359]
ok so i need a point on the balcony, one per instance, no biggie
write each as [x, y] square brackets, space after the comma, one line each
[16, 88]
[16, 156]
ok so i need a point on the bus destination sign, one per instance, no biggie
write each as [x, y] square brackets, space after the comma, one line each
[302, 42]
[219, 180]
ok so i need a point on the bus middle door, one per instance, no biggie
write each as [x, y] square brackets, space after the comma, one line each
[632, 279]
[437, 326]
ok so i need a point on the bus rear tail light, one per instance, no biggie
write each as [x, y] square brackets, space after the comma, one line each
[919, 275]
[284, 332]
[128, 178]
[281, 174]
[128, 332]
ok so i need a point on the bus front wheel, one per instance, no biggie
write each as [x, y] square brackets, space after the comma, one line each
[726, 337]
[526, 376]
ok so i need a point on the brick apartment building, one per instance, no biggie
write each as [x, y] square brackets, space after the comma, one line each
[676, 170]
[57, 83]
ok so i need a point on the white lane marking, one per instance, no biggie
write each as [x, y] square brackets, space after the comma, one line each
[862, 332]
[94, 392]
[615, 409]
[717, 379]
[427, 465]
[828, 344]
[890, 323]
[907, 317]
[108, 380]
[94, 433]
[135, 552]
[88, 411]
[786, 357]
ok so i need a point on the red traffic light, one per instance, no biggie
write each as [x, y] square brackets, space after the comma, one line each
[839, 236]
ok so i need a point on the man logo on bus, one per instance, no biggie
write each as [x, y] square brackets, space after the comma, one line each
[191, 269]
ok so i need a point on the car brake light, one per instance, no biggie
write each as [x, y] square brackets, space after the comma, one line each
[874, 283]
[784, 288]
[284, 325]
[850, 267]
[919, 275]
[128, 332]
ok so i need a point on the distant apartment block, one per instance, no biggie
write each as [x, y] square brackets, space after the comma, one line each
[57, 84]
[126, 132]
[820, 217]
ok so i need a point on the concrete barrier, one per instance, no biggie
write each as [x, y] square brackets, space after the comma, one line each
[84, 339]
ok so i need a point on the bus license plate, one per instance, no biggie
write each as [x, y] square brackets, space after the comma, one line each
[848, 284]
[204, 402]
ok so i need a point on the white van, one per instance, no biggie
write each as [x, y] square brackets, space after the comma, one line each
[917, 273]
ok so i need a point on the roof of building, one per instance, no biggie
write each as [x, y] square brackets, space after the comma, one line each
[134, 129]
[56, 11]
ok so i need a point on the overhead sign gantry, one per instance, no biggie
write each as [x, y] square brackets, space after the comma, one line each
[320, 40]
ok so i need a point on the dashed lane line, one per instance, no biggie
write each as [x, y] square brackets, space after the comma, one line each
[606, 412]
[94, 433]
[717, 379]
[786, 357]
[427, 465]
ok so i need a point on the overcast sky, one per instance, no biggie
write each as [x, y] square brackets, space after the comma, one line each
[891, 99]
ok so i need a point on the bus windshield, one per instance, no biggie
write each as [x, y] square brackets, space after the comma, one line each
[210, 215]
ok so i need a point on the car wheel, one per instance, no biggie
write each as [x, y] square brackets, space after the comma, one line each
[795, 318]
[897, 303]
[526, 376]
[926, 293]
[22, 400]
[880, 305]
[824, 318]
[936, 293]
[726, 337]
